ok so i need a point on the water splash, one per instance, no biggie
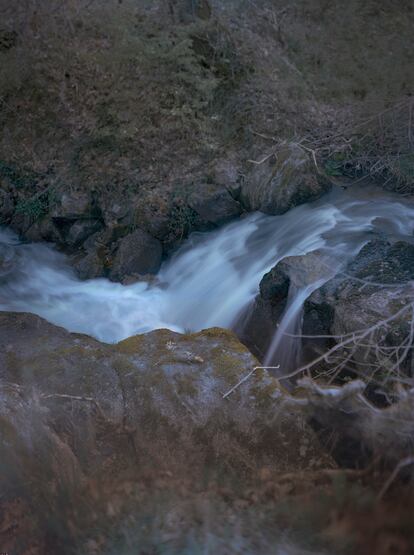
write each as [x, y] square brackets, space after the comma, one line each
[209, 281]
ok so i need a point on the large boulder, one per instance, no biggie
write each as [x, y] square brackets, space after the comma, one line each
[157, 380]
[371, 299]
[275, 186]
[137, 253]
[367, 304]
[93, 434]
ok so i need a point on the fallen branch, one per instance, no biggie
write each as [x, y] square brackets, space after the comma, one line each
[247, 377]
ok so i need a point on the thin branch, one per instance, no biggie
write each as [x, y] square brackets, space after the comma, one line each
[247, 377]
[407, 461]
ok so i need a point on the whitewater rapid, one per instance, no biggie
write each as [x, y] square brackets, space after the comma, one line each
[210, 280]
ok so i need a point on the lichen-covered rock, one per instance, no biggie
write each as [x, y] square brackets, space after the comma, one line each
[276, 186]
[137, 253]
[161, 385]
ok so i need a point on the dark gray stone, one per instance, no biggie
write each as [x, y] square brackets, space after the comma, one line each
[137, 253]
[214, 205]
[80, 230]
[6, 207]
[90, 266]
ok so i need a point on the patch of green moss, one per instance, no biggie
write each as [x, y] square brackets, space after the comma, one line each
[228, 337]
[264, 394]
[225, 366]
[186, 385]
[123, 365]
[130, 346]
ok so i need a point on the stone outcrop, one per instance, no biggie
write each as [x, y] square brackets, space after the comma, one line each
[78, 417]
[179, 379]
[276, 185]
[376, 286]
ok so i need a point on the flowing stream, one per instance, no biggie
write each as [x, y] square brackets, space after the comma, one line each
[211, 279]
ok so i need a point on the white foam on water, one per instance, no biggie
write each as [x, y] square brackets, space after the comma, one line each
[209, 281]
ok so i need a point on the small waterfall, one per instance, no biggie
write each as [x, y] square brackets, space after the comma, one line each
[210, 281]
[285, 348]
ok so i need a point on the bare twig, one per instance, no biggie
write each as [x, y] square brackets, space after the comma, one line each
[262, 160]
[247, 377]
[407, 461]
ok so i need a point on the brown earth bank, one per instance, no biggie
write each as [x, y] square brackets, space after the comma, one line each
[159, 118]
[136, 448]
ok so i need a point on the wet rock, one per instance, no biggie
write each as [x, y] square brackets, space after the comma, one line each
[137, 253]
[80, 230]
[270, 304]
[374, 287]
[90, 266]
[96, 256]
[214, 205]
[275, 187]
[20, 222]
[44, 230]
[6, 207]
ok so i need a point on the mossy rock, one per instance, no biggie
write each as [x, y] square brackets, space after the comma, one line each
[161, 384]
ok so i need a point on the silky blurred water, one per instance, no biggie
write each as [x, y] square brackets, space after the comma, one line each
[210, 280]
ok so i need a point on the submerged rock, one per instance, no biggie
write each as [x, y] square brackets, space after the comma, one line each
[275, 187]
